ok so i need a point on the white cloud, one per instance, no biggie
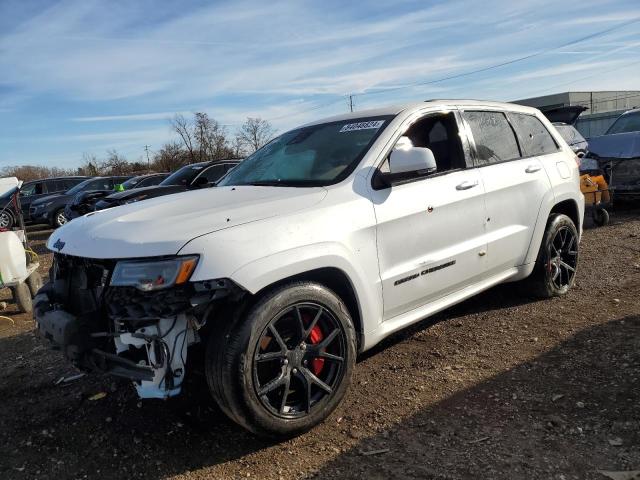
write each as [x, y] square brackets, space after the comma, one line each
[129, 117]
[108, 63]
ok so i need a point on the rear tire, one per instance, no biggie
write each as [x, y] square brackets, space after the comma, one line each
[554, 272]
[600, 216]
[285, 365]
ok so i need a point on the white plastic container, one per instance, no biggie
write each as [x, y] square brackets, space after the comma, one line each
[13, 260]
[8, 183]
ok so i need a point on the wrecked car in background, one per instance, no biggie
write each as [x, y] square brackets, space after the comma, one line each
[564, 119]
[618, 154]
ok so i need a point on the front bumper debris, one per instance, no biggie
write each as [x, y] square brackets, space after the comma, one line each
[142, 336]
[73, 336]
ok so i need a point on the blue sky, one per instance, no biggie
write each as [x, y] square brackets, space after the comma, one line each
[86, 76]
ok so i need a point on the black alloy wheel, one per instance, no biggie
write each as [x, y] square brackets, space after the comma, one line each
[281, 364]
[554, 272]
[298, 360]
[564, 261]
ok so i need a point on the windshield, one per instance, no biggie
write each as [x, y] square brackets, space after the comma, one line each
[79, 187]
[184, 175]
[131, 183]
[309, 156]
[570, 134]
[625, 123]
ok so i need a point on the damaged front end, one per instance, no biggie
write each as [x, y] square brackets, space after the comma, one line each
[618, 155]
[133, 319]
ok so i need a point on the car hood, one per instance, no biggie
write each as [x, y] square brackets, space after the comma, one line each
[48, 198]
[617, 145]
[150, 191]
[163, 225]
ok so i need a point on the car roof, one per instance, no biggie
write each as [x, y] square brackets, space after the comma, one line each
[225, 160]
[631, 112]
[145, 175]
[396, 109]
[70, 177]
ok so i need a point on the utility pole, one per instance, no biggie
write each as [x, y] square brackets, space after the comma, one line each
[351, 103]
[146, 149]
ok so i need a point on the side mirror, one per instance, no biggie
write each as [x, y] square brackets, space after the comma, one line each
[408, 159]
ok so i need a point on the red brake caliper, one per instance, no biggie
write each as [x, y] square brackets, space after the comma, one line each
[315, 336]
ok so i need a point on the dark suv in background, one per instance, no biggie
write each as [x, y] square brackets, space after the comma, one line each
[196, 175]
[85, 202]
[50, 209]
[32, 191]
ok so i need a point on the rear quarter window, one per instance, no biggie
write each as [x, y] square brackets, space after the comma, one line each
[534, 137]
[493, 137]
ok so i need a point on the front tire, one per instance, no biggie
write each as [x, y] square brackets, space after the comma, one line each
[59, 218]
[22, 297]
[34, 282]
[285, 365]
[554, 273]
[6, 219]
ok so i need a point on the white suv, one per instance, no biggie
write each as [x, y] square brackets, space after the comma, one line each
[315, 248]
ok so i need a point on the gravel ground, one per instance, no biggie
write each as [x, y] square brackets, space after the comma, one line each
[500, 386]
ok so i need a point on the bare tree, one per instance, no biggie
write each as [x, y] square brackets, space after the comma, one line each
[182, 127]
[33, 172]
[211, 137]
[237, 147]
[170, 157]
[255, 132]
[115, 164]
[90, 165]
[204, 138]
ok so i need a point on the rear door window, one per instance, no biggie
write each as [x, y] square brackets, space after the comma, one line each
[494, 138]
[72, 182]
[59, 186]
[534, 137]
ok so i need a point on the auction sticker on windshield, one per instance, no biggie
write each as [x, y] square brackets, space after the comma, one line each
[372, 125]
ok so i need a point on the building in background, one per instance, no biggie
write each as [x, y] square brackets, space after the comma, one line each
[603, 107]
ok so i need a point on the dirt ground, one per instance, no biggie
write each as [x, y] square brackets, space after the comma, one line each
[500, 386]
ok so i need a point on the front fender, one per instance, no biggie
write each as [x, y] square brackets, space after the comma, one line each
[266, 271]
[259, 254]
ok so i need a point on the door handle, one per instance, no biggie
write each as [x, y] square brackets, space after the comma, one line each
[467, 185]
[532, 168]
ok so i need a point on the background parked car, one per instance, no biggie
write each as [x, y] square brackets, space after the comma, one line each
[564, 119]
[50, 209]
[84, 202]
[32, 191]
[196, 175]
[147, 180]
[618, 154]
